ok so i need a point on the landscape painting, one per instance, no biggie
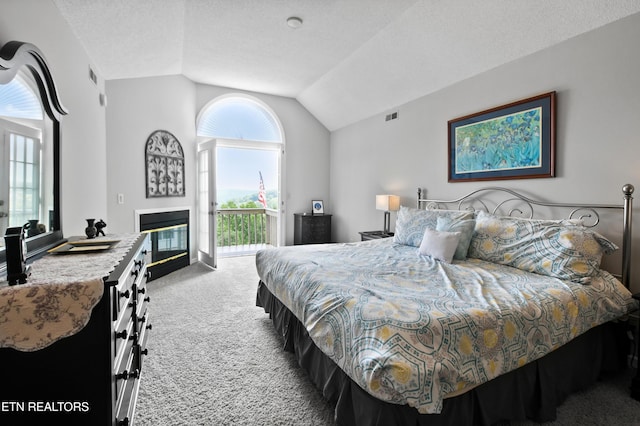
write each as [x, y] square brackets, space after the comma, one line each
[508, 142]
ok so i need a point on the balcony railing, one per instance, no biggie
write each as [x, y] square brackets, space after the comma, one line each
[244, 231]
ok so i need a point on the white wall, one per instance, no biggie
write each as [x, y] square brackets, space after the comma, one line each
[83, 142]
[595, 76]
[136, 108]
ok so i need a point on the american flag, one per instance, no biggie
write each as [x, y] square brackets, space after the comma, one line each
[261, 195]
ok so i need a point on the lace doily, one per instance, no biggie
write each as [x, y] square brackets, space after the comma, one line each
[59, 296]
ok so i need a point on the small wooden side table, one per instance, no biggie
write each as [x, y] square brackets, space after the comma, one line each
[374, 235]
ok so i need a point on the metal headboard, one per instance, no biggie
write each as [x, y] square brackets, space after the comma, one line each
[520, 205]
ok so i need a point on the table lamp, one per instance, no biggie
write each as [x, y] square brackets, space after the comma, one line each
[388, 203]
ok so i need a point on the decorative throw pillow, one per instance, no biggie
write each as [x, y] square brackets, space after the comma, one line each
[464, 226]
[412, 222]
[558, 249]
[439, 245]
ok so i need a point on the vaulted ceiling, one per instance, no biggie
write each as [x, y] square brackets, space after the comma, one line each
[349, 60]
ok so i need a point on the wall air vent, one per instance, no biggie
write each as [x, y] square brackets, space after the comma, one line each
[392, 116]
[92, 76]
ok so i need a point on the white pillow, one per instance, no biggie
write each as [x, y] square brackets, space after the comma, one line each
[412, 222]
[439, 245]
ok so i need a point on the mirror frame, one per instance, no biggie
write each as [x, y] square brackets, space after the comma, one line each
[15, 55]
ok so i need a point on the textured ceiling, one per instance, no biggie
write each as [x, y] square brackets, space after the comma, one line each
[350, 59]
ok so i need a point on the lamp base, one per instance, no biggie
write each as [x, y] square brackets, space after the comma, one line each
[387, 222]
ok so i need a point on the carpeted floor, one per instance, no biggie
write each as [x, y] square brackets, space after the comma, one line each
[215, 359]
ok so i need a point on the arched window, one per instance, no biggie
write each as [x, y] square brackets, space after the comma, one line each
[238, 117]
[18, 100]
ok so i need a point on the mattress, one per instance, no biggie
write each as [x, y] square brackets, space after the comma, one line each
[412, 330]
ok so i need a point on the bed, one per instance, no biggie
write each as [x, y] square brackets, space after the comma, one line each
[475, 312]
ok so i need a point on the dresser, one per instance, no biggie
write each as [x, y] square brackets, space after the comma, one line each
[89, 374]
[311, 229]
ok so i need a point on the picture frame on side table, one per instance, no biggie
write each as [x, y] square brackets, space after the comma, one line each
[513, 141]
[317, 207]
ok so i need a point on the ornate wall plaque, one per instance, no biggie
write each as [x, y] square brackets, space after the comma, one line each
[165, 165]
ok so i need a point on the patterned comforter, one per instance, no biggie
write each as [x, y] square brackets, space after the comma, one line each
[411, 330]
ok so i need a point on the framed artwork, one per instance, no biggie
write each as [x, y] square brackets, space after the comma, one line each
[317, 207]
[513, 141]
[164, 162]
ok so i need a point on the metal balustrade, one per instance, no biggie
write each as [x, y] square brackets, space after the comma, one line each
[245, 231]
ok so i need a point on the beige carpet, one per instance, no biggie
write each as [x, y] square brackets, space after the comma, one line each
[214, 359]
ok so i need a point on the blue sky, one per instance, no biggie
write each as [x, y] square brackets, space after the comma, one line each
[239, 168]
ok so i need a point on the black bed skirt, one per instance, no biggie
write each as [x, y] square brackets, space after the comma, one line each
[530, 392]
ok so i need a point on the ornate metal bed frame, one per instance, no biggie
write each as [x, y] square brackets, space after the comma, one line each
[511, 203]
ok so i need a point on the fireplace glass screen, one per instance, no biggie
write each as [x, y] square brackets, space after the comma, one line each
[168, 243]
[169, 235]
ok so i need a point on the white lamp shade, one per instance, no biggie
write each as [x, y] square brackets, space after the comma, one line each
[388, 202]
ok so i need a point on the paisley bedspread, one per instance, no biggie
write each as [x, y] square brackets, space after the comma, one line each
[412, 330]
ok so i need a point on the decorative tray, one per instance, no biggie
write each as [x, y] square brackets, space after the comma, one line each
[84, 246]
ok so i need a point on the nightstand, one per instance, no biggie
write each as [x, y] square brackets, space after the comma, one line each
[374, 235]
[311, 228]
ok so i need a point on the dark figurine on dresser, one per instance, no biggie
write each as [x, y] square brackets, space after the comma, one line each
[99, 227]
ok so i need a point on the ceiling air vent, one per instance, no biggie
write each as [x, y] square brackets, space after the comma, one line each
[392, 116]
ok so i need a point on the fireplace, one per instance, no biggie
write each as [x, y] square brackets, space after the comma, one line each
[169, 235]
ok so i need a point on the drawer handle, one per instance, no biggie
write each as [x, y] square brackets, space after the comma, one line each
[125, 294]
[125, 375]
[142, 290]
[149, 327]
[122, 335]
[138, 263]
[142, 320]
[144, 352]
[135, 273]
[147, 299]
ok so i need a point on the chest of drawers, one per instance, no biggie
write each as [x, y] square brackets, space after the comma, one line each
[311, 229]
[91, 377]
